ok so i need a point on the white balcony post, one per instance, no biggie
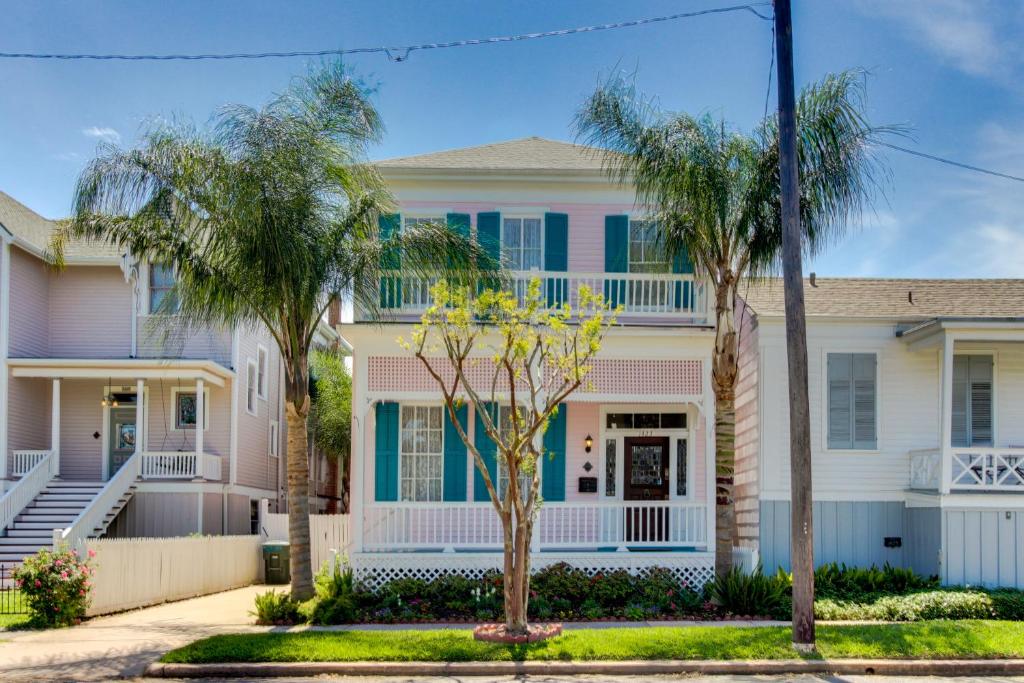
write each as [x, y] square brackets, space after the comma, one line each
[708, 408]
[55, 426]
[946, 418]
[200, 425]
[140, 417]
[360, 424]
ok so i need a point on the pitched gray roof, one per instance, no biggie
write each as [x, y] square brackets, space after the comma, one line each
[35, 231]
[526, 154]
[900, 299]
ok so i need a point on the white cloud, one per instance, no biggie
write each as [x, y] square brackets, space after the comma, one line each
[66, 156]
[104, 133]
[968, 34]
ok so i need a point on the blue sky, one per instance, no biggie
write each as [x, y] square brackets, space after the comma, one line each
[950, 70]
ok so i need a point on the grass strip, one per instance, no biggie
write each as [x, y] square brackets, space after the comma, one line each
[919, 640]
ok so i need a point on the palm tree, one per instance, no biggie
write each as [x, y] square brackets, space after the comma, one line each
[715, 194]
[268, 216]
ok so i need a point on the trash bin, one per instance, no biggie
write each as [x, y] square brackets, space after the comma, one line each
[276, 562]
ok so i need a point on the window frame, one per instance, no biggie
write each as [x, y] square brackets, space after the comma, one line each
[178, 391]
[630, 220]
[150, 288]
[994, 355]
[401, 449]
[521, 216]
[689, 434]
[262, 372]
[250, 388]
[824, 401]
[274, 439]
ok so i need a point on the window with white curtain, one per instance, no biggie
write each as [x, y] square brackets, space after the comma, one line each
[646, 253]
[521, 243]
[422, 453]
[505, 426]
[411, 221]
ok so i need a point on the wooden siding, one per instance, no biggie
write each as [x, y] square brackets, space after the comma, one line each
[850, 532]
[29, 410]
[158, 515]
[255, 465]
[30, 306]
[238, 514]
[923, 539]
[81, 415]
[746, 477]
[90, 313]
[213, 513]
[983, 547]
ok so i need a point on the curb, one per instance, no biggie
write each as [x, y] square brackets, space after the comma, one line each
[884, 667]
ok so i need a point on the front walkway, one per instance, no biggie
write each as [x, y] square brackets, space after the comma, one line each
[121, 645]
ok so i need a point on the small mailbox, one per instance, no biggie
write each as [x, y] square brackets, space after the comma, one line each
[588, 485]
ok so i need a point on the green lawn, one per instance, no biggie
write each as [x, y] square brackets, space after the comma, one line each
[14, 620]
[919, 640]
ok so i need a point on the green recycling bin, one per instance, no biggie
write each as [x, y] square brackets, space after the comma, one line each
[276, 562]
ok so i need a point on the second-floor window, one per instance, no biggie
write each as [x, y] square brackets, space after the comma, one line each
[411, 221]
[646, 253]
[261, 372]
[521, 243]
[161, 285]
[250, 387]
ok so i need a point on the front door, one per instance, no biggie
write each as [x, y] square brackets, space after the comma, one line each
[647, 479]
[122, 436]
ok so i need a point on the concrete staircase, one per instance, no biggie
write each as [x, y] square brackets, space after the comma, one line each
[55, 507]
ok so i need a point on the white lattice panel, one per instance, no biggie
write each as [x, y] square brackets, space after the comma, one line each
[628, 377]
[374, 570]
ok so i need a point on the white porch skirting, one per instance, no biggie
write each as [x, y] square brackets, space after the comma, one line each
[376, 569]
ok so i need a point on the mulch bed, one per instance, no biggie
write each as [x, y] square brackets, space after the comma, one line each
[498, 633]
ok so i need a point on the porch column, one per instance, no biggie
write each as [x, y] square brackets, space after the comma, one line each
[55, 425]
[360, 412]
[200, 425]
[946, 417]
[708, 406]
[140, 417]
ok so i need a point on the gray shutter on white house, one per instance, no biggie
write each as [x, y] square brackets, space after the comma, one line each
[972, 401]
[852, 401]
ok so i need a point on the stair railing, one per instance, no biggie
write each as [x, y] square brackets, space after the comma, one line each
[26, 489]
[91, 518]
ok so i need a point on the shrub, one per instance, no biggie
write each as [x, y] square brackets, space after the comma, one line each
[849, 583]
[754, 594]
[936, 604]
[1008, 604]
[613, 590]
[335, 592]
[276, 609]
[56, 586]
[562, 581]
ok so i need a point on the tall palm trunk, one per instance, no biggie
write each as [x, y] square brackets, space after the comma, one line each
[724, 370]
[297, 404]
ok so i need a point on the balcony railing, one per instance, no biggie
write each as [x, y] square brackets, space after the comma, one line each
[969, 469]
[179, 465]
[166, 336]
[560, 526]
[679, 297]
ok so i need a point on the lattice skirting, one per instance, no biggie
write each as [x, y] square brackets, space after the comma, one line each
[376, 569]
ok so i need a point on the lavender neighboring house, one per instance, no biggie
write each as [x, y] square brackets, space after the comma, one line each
[116, 420]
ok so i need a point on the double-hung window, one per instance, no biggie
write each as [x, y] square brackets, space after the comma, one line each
[506, 428]
[161, 286]
[972, 401]
[521, 241]
[412, 221]
[647, 254]
[250, 387]
[422, 453]
[261, 372]
[852, 401]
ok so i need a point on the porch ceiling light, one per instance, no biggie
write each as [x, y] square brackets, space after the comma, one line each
[588, 443]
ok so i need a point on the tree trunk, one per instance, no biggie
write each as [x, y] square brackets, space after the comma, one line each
[298, 500]
[515, 609]
[724, 371]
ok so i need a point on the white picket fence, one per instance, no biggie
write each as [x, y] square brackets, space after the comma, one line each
[328, 534]
[136, 572]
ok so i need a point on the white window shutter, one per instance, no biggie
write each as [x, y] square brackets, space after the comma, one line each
[840, 404]
[864, 401]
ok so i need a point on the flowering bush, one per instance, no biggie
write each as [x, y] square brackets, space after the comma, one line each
[56, 586]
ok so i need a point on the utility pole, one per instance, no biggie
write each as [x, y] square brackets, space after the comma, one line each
[802, 554]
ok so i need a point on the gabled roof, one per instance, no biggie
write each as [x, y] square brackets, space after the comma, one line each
[33, 232]
[524, 155]
[897, 298]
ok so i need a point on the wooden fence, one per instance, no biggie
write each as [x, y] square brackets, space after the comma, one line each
[328, 534]
[136, 572]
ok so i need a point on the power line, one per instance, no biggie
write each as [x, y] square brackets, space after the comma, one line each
[950, 162]
[395, 54]
[771, 70]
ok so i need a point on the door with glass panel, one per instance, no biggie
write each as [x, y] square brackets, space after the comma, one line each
[646, 480]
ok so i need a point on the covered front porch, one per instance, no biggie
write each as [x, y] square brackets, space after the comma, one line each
[981, 402]
[91, 420]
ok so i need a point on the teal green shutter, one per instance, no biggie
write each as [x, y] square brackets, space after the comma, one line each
[553, 469]
[556, 255]
[488, 233]
[684, 290]
[616, 257]
[386, 463]
[488, 451]
[390, 286]
[459, 222]
[454, 456]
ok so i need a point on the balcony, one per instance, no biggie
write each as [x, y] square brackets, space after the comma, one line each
[968, 469]
[167, 337]
[568, 526]
[653, 297]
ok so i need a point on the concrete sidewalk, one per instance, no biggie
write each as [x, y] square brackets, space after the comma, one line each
[122, 645]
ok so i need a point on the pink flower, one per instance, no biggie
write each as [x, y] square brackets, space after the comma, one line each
[58, 562]
[92, 553]
[38, 583]
[81, 592]
[64, 575]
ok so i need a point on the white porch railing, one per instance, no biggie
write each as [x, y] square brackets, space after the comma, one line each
[22, 462]
[988, 469]
[179, 465]
[648, 524]
[27, 488]
[93, 518]
[639, 294]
